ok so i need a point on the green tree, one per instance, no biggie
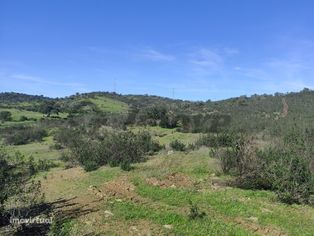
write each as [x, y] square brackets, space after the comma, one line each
[5, 116]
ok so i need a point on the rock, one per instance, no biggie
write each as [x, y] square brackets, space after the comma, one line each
[108, 213]
[133, 228]
[266, 210]
[168, 226]
[253, 219]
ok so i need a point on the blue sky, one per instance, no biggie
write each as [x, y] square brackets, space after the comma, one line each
[201, 50]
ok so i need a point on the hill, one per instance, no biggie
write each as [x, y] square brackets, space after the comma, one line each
[112, 164]
[252, 114]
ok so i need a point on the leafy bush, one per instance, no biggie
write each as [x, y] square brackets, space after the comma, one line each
[23, 135]
[195, 213]
[149, 145]
[120, 148]
[177, 145]
[5, 116]
[234, 152]
[222, 139]
[288, 174]
[126, 165]
[23, 118]
[284, 170]
[65, 137]
[16, 185]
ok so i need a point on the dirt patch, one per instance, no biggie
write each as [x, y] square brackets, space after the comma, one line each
[60, 183]
[285, 108]
[251, 224]
[120, 188]
[131, 228]
[173, 180]
[218, 184]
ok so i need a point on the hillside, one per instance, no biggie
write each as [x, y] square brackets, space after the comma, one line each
[111, 164]
[253, 114]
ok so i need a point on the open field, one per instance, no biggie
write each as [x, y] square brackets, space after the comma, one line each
[165, 136]
[38, 150]
[18, 113]
[109, 105]
[168, 191]
[154, 199]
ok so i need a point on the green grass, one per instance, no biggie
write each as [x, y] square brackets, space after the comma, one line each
[197, 164]
[233, 202]
[74, 182]
[17, 113]
[181, 224]
[165, 136]
[98, 177]
[170, 206]
[224, 206]
[38, 150]
[109, 105]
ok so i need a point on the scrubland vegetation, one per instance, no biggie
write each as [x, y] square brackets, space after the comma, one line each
[110, 164]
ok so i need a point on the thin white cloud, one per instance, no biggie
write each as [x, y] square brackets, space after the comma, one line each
[154, 55]
[231, 51]
[207, 58]
[39, 80]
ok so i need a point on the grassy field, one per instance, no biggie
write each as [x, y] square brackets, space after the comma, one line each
[165, 136]
[155, 197]
[38, 150]
[18, 113]
[109, 105]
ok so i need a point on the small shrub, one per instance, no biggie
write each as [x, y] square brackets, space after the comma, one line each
[23, 118]
[281, 169]
[90, 165]
[191, 147]
[65, 157]
[111, 147]
[126, 165]
[223, 139]
[5, 116]
[195, 213]
[56, 146]
[23, 135]
[177, 145]
[148, 144]
[294, 180]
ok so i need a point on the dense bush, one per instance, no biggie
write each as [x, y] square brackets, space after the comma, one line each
[23, 134]
[116, 148]
[148, 145]
[16, 185]
[284, 169]
[177, 145]
[5, 116]
[221, 139]
[65, 137]
[291, 176]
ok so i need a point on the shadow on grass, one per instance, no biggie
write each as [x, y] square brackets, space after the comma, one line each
[62, 210]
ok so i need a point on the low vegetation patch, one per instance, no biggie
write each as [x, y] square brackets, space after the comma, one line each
[284, 169]
[23, 134]
[120, 148]
[177, 145]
